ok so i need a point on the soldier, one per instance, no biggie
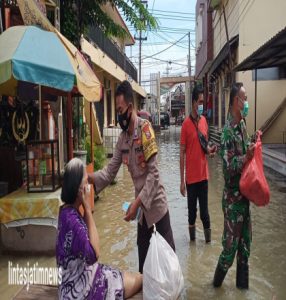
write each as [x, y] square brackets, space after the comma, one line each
[235, 151]
[137, 149]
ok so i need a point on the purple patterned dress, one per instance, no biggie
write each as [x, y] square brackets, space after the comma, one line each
[82, 277]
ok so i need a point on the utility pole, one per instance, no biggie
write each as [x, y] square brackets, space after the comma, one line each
[188, 97]
[189, 61]
[140, 39]
[158, 98]
[229, 49]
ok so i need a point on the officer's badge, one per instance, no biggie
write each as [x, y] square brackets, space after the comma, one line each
[148, 141]
[147, 132]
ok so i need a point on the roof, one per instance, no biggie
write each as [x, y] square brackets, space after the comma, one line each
[270, 54]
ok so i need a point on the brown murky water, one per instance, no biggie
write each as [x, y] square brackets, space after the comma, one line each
[198, 260]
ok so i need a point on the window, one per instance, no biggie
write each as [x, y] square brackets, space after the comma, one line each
[275, 73]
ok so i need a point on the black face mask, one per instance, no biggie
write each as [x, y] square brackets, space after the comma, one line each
[124, 120]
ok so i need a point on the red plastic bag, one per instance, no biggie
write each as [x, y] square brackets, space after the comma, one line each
[253, 184]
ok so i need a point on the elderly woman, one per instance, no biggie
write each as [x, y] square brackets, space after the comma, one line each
[77, 249]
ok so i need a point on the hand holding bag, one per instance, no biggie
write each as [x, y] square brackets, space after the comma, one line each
[162, 274]
[253, 184]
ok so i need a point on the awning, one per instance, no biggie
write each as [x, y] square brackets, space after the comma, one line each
[270, 54]
[223, 54]
[87, 83]
[101, 60]
[32, 55]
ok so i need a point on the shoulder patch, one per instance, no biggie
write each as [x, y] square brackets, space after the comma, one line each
[148, 140]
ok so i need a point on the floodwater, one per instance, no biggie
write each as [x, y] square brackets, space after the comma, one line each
[198, 260]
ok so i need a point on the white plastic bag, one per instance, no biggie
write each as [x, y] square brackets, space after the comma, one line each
[162, 274]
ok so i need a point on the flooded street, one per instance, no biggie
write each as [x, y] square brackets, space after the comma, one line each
[198, 260]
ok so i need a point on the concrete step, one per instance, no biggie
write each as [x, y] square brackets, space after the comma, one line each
[274, 157]
[214, 133]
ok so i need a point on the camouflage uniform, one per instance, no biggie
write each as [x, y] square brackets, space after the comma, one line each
[237, 223]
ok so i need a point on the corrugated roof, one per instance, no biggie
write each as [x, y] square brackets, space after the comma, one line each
[270, 54]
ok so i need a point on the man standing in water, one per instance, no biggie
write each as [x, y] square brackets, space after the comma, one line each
[193, 152]
[236, 150]
[137, 149]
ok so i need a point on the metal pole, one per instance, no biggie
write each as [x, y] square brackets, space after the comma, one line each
[189, 60]
[91, 132]
[1, 22]
[40, 111]
[188, 105]
[78, 123]
[255, 98]
[229, 49]
[69, 126]
[140, 46]
[158, 99]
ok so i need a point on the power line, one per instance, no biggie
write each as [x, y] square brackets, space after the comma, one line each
[169, 60]
[169, 28]
[174, 63]
[151, 45]
[175, 19]
[177, 29]
[158, 43]
[168, 40]
[174, 12]
[172, 15]
[165, 48]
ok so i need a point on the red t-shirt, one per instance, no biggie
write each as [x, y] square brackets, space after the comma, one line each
[196, 161]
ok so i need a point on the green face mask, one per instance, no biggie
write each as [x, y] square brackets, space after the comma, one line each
[244, 111]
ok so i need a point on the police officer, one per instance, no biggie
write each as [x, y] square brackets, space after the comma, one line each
[137, 149]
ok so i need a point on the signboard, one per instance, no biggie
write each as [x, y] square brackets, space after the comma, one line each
[177, 104]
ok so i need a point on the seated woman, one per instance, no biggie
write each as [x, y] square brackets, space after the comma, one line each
[77, 249]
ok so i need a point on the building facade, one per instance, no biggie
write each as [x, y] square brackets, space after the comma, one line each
[112, 66]
[238, 29]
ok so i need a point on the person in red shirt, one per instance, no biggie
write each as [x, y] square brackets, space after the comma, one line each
[194, 165]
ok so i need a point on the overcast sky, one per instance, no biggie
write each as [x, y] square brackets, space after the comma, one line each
[176, 19]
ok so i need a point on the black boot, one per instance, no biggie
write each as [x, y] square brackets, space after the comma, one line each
[219, 276]
[192, 232]
[242, 276]
[208, 235]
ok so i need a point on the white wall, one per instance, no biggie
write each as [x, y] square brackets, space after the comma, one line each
[260, 21]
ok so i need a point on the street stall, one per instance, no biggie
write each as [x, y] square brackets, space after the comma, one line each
[38, 65]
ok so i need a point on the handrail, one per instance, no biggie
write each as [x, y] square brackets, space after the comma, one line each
[273, 117]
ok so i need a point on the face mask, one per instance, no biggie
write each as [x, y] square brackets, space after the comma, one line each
[200, 109]
[244, 111]
[124, 120]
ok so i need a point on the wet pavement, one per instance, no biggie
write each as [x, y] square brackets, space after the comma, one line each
[198, 260]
